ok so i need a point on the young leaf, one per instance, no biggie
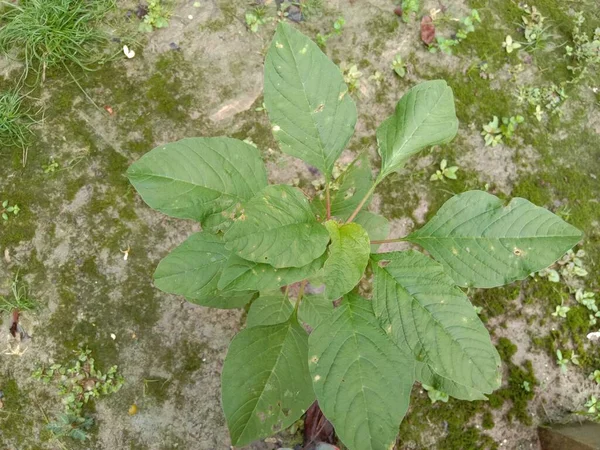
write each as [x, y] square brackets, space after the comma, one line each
[351, 187]
[193, 269]
[277, 227]
[348, 258]
[241, 275]
[269, 309]
[421, 308]
[425, 375]
[483, 243]
[313, 115]
[361, 379]
[197, 177]
[314, 308]
[265, 385]
[424, 116]
[376, 226]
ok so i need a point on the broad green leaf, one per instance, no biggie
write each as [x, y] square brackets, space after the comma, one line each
[312, 114]
[348, 190]
[198, 177]
[348, 258]
[193, 269]
[277, 227]
[269, 309]
[242, 275]
[425, 375]
[265, 385]
[314, 308]
[361, 378]
[483, 243]
[376, 226]
[421, 308]
[424, 116]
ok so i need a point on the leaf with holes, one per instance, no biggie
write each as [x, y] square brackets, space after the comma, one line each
[265, 383]
[348, 190]
[313, 115]
[197, 178]
[421, 308]
[361, 378]
[348, 258]
[424, 117]
[242, 275]
[483, 243]
[269, 309]
[277, 227]
[193, 269]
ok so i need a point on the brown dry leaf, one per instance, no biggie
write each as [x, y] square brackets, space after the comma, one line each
[427, 30]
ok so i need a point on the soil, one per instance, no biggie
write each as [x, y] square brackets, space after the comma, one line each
[202, 76]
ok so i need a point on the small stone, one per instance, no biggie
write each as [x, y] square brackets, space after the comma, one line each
[133, 410]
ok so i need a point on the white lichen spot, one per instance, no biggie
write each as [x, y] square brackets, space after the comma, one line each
[468, 250]
[278, 45]
[303, 50]
[276, 128]
[388, 329]
[278, 279]
[492, 248]
[317, 378]
[454, 251]
[314, 359]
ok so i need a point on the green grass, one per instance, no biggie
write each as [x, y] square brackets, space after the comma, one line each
[19, 300]
[48, 33]
[15, 121]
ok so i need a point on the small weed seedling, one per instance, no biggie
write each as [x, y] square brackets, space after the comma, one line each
[257, 17]
[264, 243]
[494, 131]
[510, 45]
[562, 362]
[435, 395]
[595, 376]
[444, 172]
[399, 66]
[533, 26]
[352, 76]
[20, 299]
[338, 25]
[157, 16]
[561, 311]
[51, 167]
[78, 382]
[466, 26]
[409, 7]
[584, 54]
[545, 99]
[7, 210]
[592, 410]
[15, 121]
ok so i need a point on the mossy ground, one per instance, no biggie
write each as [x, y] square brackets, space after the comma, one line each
[67, 242]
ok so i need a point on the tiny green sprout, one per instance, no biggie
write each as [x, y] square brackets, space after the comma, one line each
[261, 107]
[595, 376]
[571, 265]
[478, 309]
[7, 209]
[50, 167]
[561, 311]
[257, 17]
[592, 405]
[338, 26]
[574, 358]
[551, 274]
[409, 7]
[526, 386]
[444, 171]
[492, 133]
[399, 66]
[562, 362]
[435, 395]
[377, 78]
[157, 16]
[587, 299]
[510, 45]
[351, 76]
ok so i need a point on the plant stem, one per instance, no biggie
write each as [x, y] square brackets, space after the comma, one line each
[300, 295]
[387, 241]
[362, 203]
[328, 201]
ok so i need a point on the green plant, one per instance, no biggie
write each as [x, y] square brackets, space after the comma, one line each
[15, 122]
[399, 66]
[264, 243]
[256, 17]
[6, 209]
[338, 25]
[78, 382]
[533, 26]
[352, 76]
[592, 410]
[562, 362]
[435, 395]
[510, 45]
[444, 171]
[494, 131]
[595, 376]
[466, 26]
[71, 425]
[561, 311]
[51, 167]
[550, 97]
[157, 16]
[409, 7]
[584, 54]
[49, 33]
[20, 298]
